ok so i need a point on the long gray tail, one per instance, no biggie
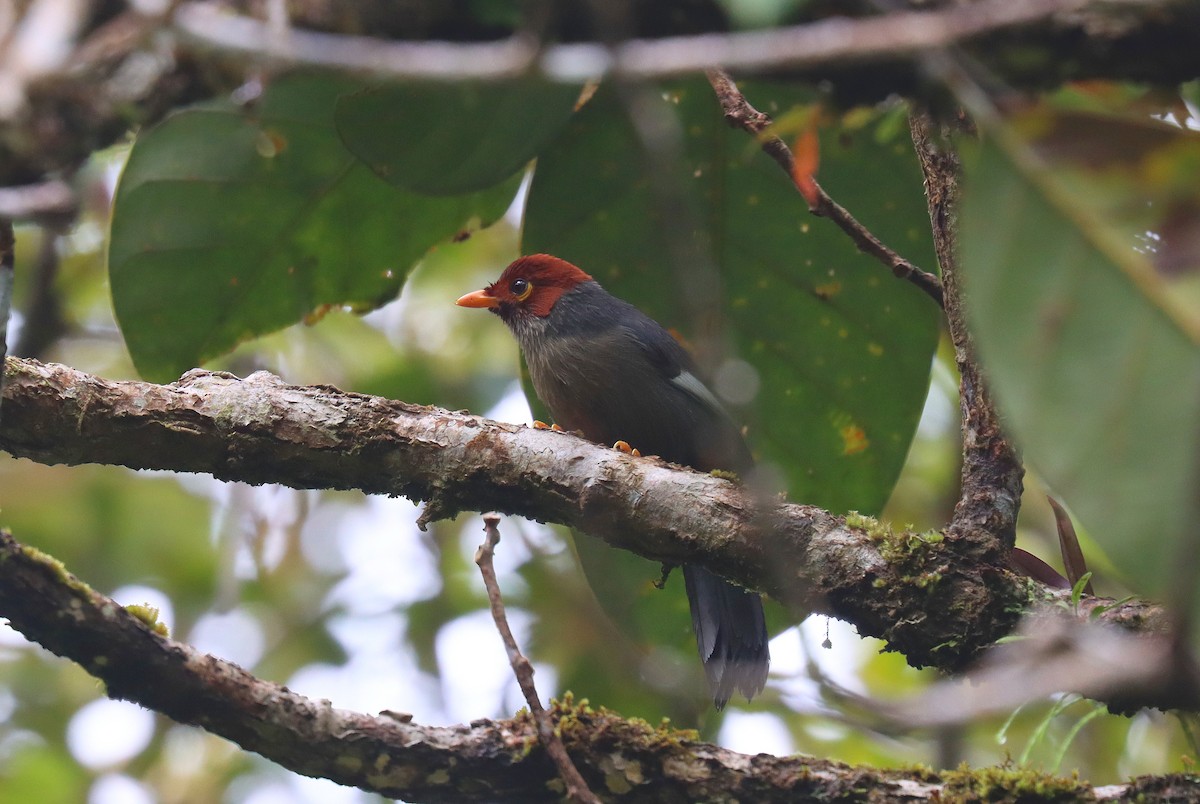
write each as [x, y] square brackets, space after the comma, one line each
[731, 634]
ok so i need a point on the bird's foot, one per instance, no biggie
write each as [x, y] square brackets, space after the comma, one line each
[624, 447]
[540, 425]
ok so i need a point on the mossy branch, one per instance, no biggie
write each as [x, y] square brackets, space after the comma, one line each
[487, 760]
[931, 600]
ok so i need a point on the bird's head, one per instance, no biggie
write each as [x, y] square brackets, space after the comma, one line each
[529, 287]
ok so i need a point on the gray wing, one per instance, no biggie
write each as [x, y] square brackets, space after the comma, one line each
[720, 444]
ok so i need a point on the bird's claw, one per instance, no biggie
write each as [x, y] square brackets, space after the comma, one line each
[540, 425]
[624, 447]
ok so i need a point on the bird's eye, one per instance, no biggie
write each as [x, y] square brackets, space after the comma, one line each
[521, 289]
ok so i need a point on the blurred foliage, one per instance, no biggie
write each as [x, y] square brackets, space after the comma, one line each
[1077, 246]
[232, 222]
[341, 597]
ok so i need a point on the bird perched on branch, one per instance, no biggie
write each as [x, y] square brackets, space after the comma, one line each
[604, 368]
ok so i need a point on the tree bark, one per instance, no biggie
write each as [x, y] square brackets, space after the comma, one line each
[930, 600]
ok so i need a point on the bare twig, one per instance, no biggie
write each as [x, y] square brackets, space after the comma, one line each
[577, 788]
[832, 41]
[740, 113]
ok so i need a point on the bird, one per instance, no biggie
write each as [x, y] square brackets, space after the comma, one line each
[607, 370]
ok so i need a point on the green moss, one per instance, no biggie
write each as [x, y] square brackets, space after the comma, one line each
[57, 567]
[724, 475]
[46, 560]
[920, 772]
[1007, 783]
[901, 548]
[927, 580]
[876, 530]
[149, 615]
[932, 536]
[912, 555]
[570, 716]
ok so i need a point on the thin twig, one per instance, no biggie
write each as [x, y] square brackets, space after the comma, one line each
[740, 113]
[830, 41]
[577, 788]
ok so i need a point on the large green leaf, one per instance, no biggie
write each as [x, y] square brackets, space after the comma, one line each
[1093, 357]
[839, 349]
[444, 139]
[233, 222]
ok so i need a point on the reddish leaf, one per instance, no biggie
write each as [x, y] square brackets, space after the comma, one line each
[806, 153]
[1028, 564]
[1068, 544]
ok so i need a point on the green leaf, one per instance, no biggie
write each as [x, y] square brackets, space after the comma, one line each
[1096, 369]
[442, 139]
[233, 222]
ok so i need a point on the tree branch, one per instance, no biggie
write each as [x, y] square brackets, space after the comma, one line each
[990, 497]
[887, 38]
[260, 430]
[92, 101]
[489, 760]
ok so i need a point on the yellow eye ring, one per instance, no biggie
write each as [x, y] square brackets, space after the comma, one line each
[521, 288]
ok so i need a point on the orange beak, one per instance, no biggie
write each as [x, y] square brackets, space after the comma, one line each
[478, 298]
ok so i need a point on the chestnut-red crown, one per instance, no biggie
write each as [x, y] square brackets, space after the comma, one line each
[533, 283]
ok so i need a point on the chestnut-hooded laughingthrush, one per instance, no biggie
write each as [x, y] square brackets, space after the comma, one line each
[604, 368]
